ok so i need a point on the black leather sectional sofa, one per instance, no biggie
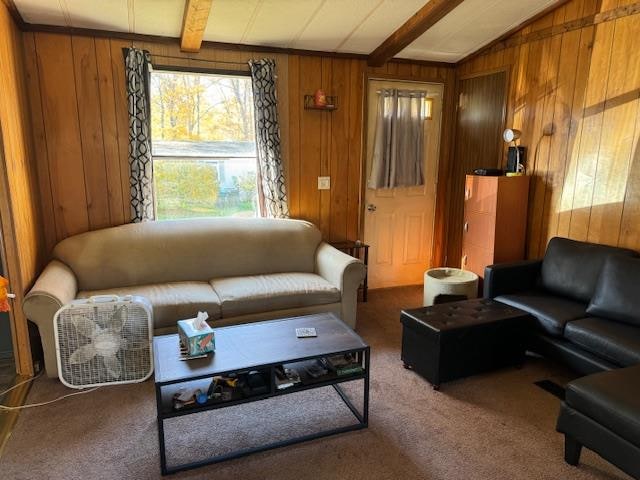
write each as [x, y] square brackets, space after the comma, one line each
[584, 302]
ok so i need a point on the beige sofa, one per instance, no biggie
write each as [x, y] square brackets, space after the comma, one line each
[237, 270]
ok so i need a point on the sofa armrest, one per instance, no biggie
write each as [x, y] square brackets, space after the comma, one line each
[55, 287]
[505, 278]
[345, 273]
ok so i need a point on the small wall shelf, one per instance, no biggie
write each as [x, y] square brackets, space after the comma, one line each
[332, 103]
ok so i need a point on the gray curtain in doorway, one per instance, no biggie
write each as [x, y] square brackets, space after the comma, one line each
[137, 64]
[271, 182]
[399, 139]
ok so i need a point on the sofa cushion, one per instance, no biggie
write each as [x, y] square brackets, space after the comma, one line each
[551, 312]
[171, 301]
[188, 250]
[264, 293]
[616, 294]
[610, 398]
[616, 342]
[571, 268]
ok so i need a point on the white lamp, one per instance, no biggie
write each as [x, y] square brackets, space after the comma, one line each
[510, 135]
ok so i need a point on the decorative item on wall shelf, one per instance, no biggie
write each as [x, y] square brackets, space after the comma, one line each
[320, 101]
[320, 98]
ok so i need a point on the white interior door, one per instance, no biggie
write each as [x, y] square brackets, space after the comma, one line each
[398, 223]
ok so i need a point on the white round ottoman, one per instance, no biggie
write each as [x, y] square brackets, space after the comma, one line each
[449, 281]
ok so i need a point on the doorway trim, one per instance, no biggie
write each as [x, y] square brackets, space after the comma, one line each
[445, 156]
[437, 225]
[507, 116]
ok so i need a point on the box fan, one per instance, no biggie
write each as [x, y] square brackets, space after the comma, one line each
[104, 340]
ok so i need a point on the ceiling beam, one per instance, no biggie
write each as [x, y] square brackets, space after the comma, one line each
[194, 23]
[419, 23]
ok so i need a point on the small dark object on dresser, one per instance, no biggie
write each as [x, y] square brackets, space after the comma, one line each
[513, 159]
[488, 172]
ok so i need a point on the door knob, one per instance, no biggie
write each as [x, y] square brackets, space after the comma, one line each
[466, 226]
[371, 207]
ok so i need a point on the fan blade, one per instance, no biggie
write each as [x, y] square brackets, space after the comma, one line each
[117, 320]
[82, 355]
[85, 327]
[113, 366]
[131, 345]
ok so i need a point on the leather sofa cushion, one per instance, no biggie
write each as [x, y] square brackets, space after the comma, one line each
[571, 269]
[551, 312]
[610, 398]
[171, 301]
[616, 342]
[264, 293]
[617, 295]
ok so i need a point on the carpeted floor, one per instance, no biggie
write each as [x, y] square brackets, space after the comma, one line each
[494, 426]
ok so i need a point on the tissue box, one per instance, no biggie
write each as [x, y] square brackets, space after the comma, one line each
[197, 341]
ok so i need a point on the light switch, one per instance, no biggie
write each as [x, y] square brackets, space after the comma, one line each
[324, 183]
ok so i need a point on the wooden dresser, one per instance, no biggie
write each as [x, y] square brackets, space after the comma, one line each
[495, 221]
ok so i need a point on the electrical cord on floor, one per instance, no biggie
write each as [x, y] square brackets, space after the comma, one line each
[40, 404]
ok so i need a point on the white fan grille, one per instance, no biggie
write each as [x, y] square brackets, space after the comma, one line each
[133, 355]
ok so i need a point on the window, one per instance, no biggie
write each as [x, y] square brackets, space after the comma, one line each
[203, 145]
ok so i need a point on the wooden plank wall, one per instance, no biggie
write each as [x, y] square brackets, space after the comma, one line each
[330, 143]
[326, 144]
[584, 85]
[80, 122]
[22, 237]
[80, 125]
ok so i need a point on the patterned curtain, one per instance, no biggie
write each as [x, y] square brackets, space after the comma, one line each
[137, 64]
[271, 176]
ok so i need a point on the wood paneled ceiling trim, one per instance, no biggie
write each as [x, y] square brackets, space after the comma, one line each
[194, 23]
[15, 13]
[139, 37]
[197, 12]
[419, 23]
[589, 20]
[515, 29]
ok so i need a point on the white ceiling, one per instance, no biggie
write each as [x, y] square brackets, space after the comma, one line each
[352, 26]
[470, 26]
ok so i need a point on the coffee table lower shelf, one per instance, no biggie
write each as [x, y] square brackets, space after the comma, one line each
[361, 416]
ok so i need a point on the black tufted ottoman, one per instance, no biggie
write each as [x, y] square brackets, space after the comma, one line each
[458, 339]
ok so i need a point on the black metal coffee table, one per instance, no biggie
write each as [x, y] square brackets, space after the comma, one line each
[261, 347]
[454, 340]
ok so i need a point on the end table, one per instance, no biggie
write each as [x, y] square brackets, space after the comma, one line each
[360, 251]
